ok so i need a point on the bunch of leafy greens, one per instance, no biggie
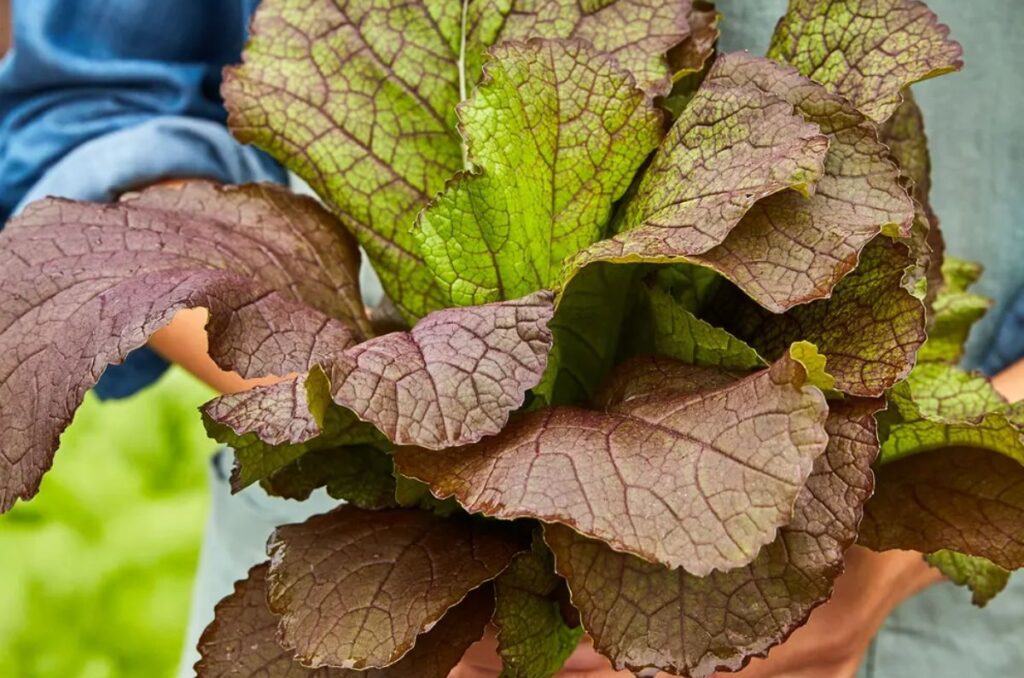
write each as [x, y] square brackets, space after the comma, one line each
[649, 305]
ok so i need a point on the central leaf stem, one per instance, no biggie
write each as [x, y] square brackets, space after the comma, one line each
[462, 78]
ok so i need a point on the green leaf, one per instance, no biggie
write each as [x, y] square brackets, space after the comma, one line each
[533, 639]
[681, 335]
[869, 330]
[360, 475]
[689, 284]
[815, 364]
[865, 51]
[954, 312]
[943, 394]
[941, 406]
[670, 476]
[411, 493]
[359, 100]
[643, 615]
[984, 578]
[555, 132]
[586, 331]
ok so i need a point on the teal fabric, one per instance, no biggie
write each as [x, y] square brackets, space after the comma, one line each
[975, 125]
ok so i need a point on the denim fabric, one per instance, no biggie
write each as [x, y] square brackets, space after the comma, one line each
[102, 96]
[80, 69]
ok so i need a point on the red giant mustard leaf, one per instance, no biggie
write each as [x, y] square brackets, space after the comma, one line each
[355, 588]
[316, 259]
[643, 615]
[85, 284]
[359, 98]
[691, 54]
[865, 50]
[869, 330]
[450, 380]
[269, 427]
[241, 642]
[639, 377]
[556, 132]
[904, 134]
[791, 248]
[729, 147]
[453, 378]
[637, 33]
[952, 473]
[967, 499]
[697, 480]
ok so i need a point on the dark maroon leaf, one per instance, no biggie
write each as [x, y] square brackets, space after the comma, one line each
[453, 378]
[970, 500]
[354, 588]
[241, 642]
[869, 330]
[85, 284]
[643, 615]
[694, 480]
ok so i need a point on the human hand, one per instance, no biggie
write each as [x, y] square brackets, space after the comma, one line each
[833, 642]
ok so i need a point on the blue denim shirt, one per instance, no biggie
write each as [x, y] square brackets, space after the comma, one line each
[101, 96]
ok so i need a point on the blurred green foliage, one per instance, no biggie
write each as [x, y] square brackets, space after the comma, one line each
[97, 570]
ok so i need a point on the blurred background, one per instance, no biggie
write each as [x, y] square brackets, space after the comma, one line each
[89, 588]
[97, 570]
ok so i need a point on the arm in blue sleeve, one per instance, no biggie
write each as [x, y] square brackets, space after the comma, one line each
[101, 96]
[1008, 343]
